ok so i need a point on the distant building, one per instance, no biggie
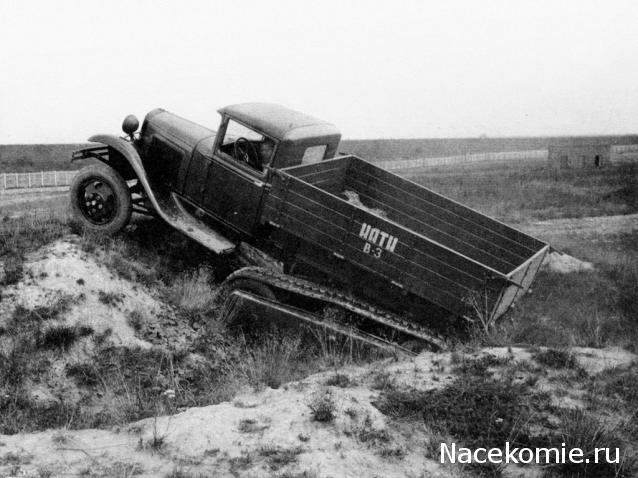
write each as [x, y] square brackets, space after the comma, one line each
[565, 156]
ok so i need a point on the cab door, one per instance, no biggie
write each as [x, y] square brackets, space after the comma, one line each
[233, 195]
[234, 188]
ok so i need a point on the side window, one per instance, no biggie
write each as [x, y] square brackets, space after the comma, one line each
[314, 154]
[247, 146]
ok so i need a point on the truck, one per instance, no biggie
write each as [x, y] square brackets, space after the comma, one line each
[317, 229]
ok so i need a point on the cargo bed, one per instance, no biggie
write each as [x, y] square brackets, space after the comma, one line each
[404, 233]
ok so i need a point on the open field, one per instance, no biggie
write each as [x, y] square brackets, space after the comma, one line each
[97, 333]
[21, 158]
[381, 149]
[519, 194]
[18, 158]
[20, 201]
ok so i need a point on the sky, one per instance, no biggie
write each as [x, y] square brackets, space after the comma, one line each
[376, 69]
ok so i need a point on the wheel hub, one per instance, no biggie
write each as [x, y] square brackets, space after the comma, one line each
[97, 201]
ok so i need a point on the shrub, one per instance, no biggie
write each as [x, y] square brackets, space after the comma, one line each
[339, 380]
[137, 320]
[84, 373]
[383, 381]
[18, 414]
[273, 361]
[192, 290]
[300, 474]
[622, 383]
[480, 366]
[46, 312]
[480, 411]
[555, 358]
[181, 473]
[13, 267]
[323, 408]
[250, 425]
[109, 298]
[62, 336]
[27, 233]
[581, 430]
[279, 457]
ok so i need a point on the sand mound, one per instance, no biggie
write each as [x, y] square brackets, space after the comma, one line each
[260, 433]
[564, 263]
[272, 432]
[597, 360]
[98, 299]
[74, 294]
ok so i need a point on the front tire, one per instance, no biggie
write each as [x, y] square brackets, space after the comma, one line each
[100, 199]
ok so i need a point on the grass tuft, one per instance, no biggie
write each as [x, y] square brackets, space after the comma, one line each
[580, 429]
[278, 457]
[62, 336]
[323, 408]
[18, 236]
[192, 290]
[555, 358]
[339, 380]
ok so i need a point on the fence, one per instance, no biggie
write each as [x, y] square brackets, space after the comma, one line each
[41, 179]
[624, 154]
[620, 154]
[625, 148]
[540, 154]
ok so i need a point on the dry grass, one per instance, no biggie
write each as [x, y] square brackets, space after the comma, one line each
[598, 308]
[273, 361]
[485, 407]
[592, 309]
[19, 236]
[323, 407]
[522, 193]
[193, 291]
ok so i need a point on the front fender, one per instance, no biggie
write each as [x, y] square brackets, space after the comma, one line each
[130, 154]
[166, 203]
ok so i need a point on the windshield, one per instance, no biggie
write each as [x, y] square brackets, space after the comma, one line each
[246, 146]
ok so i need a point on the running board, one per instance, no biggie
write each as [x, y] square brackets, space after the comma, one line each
[177, 216]
[166, 204]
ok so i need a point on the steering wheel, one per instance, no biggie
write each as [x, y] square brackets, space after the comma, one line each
[245, 151]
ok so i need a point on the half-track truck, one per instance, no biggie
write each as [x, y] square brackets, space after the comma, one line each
[324, 229]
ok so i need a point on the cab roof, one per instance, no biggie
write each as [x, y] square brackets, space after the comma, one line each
[279, 122]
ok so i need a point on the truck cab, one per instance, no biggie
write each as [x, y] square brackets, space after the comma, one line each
[226, 174]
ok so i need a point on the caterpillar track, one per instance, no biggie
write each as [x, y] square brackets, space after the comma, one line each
[234, 297]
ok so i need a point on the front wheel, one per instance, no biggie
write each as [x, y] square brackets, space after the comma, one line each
[100, 199]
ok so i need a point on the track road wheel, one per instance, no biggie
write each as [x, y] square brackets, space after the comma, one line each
[246, 321]
[100, 199]
[254, 287]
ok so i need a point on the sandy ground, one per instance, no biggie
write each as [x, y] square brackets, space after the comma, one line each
[252, 435]
[15, 202]
[259, 433]
[565, 264]
[235, 438]
[99, 299]
[262, 433]
[583, 227]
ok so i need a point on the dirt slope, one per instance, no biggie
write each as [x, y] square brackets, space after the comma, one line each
[259, 433]
[271, 432]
